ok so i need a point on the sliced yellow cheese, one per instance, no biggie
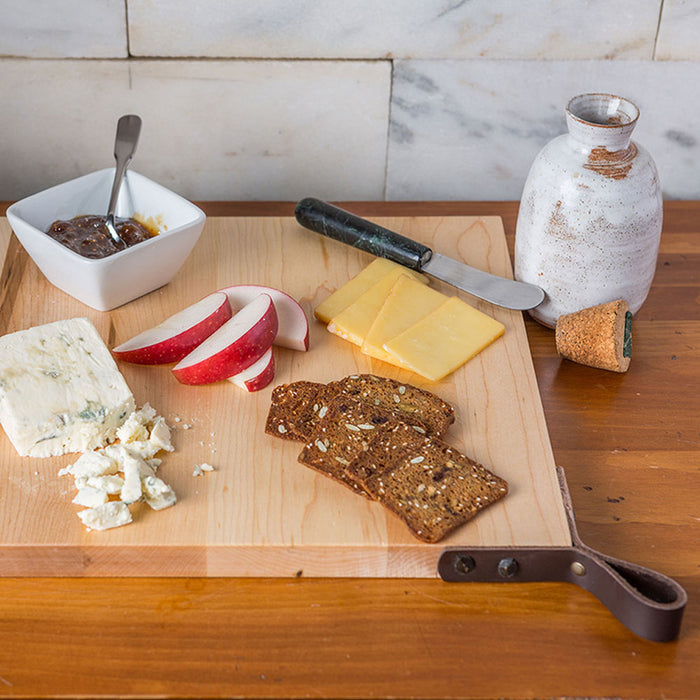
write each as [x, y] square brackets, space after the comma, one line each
[355, 320]
[358, 285]
[445, 339]
[408, 301]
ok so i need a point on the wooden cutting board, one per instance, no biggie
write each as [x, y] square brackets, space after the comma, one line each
[261, 513]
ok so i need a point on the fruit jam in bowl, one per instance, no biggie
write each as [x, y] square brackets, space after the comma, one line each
[109, 278]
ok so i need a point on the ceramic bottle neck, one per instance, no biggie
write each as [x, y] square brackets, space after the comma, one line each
[601, 121]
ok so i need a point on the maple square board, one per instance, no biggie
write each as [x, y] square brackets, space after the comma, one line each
[261, 513]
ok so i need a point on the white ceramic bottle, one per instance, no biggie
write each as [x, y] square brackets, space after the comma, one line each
[590, 215]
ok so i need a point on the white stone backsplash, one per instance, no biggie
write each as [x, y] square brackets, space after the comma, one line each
[679, 31]
[536, 29]
[247, 130]
[471, 129]
[63, 29]
[278, 99]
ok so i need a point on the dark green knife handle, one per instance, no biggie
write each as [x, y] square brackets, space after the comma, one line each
[341, 225]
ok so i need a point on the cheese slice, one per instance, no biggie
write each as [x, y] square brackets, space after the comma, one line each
[445, 339]
[354, 321]
[60, 389]
[358, 285]
[408, 301]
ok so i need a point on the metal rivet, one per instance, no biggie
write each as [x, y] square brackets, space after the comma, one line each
[464, 564]
[507, 567]
[578, 568]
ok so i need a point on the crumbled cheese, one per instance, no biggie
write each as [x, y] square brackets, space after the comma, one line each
[111, 484]
[131, 491]
[153, 462]
[106, 516]
[127, 470]
[148, 413]
[143, 448]
[95, 463]
[133, 429]
[90, 497]
[199, 469]
[157, 493]
[160, 435]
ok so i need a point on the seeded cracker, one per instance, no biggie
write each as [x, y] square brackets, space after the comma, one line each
[314, 411]
[296, 408]
[404, 400]
[344, 432]
[289, 406]
[431, 486]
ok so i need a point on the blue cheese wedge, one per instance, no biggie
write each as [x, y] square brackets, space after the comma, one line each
[60, 389]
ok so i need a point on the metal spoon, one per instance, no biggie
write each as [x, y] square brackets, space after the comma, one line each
[128, 130]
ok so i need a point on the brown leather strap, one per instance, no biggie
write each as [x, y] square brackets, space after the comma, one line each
[647, 602]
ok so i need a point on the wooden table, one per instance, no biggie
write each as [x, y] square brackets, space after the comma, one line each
[630, 445]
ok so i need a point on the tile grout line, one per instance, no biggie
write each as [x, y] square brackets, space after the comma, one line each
[388, 130]
[658, 29]
[126, 29]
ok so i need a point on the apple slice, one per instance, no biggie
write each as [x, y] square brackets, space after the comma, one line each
[293, 331]
[236, 345]
[179, 334]
[258, 375]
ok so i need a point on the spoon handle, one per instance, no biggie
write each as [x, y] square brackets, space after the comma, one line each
[128, 130]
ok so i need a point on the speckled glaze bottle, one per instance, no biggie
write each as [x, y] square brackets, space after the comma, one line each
[590, 214]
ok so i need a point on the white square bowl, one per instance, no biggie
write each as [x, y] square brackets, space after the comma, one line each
[109, 282]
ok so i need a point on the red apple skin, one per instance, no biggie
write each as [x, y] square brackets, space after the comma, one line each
[140, 350]
[293, 331]
[230, 356]
[256, 378]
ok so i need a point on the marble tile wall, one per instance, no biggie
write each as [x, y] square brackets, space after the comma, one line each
[370, 99]
[211, 129]
[536, 29]
[471, 129]
[65, 29]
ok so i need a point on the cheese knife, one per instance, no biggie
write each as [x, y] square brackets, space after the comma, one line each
[341, 225]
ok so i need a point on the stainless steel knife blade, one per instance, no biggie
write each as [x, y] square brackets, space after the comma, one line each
[497, 290]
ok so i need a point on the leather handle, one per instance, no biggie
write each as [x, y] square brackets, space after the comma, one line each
[645, 601]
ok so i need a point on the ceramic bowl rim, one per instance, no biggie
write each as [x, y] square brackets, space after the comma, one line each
[110, 259]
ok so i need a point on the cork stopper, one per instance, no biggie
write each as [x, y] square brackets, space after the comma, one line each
[600, 336]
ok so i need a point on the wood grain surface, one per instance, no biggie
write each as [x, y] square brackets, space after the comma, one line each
[260, 513]
[630, 445]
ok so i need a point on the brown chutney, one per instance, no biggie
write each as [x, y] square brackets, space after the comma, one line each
[88, 235]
